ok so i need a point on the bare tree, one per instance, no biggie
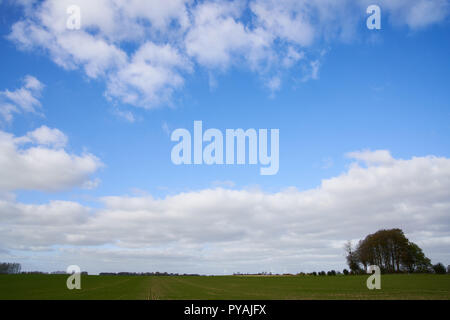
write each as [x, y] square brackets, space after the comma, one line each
[352, 258]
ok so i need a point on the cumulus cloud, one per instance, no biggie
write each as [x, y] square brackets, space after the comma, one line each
[150, 77]
[217, 36]
[372, 157]
[38, 161]
[44, 136]
[123, 42]
[246, 230]
[24, 99]
[288, 20]
[143, 78]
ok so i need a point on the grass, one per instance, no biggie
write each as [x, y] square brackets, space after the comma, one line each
[399, 286]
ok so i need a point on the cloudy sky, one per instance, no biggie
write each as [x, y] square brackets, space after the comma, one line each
[86, 115]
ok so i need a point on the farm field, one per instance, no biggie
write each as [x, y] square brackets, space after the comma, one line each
[53, 287]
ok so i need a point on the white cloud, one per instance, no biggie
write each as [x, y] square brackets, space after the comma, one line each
[292, 57]
[43, 165]
[125, 114]
[287, 20]
[327, 163]
[150, 77]
[91, 184]
[372, 157]
[44, 136]
[274, 84]
[165, 128]
[217, 36]
[311, 71]
[125, 43]
[245, 230]
[145, 77]
[424, 13]
[24, 99]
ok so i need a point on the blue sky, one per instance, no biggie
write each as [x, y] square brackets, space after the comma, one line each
[374, 90]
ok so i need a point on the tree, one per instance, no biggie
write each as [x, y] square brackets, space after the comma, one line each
[352, 258]
[448, 269]
[439, 268]
[345, 272]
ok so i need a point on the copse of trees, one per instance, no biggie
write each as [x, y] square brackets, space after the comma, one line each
[390, 250]
[10, 268]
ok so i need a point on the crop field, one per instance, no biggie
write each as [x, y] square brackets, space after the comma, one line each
[403, 286]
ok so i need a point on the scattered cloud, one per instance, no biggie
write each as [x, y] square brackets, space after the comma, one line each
[144, 51]
[327, 163]
[124, 114]
[44, 136]
[24, 99]
[37, 161]
[166, 128]
[150, 77]
[372, 157]
[274, 84]
[292, 57]
[91, 184]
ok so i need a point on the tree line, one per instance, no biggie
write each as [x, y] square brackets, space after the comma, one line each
[124, 273]
[391, 251]
[10, 268]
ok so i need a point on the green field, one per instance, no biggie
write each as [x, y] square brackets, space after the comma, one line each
[417, 286]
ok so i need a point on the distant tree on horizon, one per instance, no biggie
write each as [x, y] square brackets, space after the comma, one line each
[439, 268]
[10, 268]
